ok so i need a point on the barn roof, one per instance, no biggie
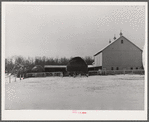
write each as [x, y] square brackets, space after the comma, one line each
[38, 68]
[114, 42]
[77, 64]
[61, 66]
[55, 66]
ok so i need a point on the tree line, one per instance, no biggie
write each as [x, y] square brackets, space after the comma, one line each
[31, 62]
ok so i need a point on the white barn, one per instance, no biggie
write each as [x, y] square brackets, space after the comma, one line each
[121, 54]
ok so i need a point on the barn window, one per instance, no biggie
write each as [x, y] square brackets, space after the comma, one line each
[121, 41]
[131, 68]
[136, 67]
[111, 68]
[117, 68]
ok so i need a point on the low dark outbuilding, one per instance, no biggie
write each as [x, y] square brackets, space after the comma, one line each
[77, 65]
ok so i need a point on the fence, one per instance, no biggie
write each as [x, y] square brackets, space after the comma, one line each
[39, 74]
[44, 74]
[95, 72]
[114, 72]
[14, 78]
[11, 78]
[54, 74]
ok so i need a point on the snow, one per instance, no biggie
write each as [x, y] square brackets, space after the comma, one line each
[113, 92]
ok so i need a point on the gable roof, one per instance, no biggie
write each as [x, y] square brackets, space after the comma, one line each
[114, 42]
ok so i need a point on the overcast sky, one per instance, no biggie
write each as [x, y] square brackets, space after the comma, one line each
[69, 30]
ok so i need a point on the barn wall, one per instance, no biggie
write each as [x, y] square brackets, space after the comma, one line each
[98, 59]
[122, 55]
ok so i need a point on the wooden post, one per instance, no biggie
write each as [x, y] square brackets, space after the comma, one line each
[23, 75]
[15, 78]
[20, 76]
[74, 74]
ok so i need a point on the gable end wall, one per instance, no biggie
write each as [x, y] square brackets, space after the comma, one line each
[123, 56]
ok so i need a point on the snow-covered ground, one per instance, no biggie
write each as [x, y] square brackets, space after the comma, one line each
[113, 92]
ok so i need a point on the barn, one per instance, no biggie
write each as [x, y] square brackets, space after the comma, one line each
[121, 54]
[77, 65]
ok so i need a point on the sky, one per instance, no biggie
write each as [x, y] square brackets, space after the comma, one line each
[69, 30]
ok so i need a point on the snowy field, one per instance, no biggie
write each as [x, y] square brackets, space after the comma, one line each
[113, 92]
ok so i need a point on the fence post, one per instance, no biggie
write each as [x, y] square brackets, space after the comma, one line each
[15, 78]
[20, 76]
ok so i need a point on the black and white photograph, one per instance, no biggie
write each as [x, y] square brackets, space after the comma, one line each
[74, 60]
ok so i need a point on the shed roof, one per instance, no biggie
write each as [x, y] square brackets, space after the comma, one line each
[114, 42]
[61, 66]
[55, 66]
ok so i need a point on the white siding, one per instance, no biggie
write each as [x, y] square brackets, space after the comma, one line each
[98, 60]
[122, 55]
